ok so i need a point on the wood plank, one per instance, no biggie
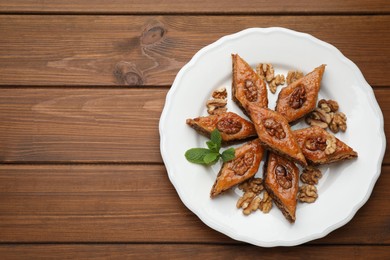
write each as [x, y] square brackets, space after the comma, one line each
[80, 125]
[198, 251]
[194, 6]
[133, 203]
[52, 50]
[91, 125]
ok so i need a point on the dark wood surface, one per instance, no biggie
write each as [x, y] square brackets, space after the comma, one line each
[83, 84]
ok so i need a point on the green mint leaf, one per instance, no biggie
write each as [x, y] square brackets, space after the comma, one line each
[228, 154]
[196, 155]
[211, 158]
[216, 138]
[212, 146]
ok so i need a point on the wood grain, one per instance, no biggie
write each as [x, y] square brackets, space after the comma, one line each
[198, 251]
[76, 50]
[133, 203]
[91, 125]
[76, 125]
[194, 6]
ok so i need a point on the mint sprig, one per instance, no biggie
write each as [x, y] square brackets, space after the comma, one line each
[211, 154]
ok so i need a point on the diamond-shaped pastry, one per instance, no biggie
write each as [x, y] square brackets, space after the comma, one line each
[232, 126]
[300, 97]
[244, 166]
[281, 179]
[275, 133]
[322, 147]
[247, 86]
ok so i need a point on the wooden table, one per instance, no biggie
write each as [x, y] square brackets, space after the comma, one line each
[83, 84]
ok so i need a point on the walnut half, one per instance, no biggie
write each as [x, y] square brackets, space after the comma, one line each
[265, 203]
[217, 104]
[229, 126]
[249, 202]
[311, 175]
[254, 185]
[274, 128]
[265, 71]
[339, 122]
[330, 144]
[283, 177]
[307, 193]
[275, 82]
[298, 97]
[293, 75]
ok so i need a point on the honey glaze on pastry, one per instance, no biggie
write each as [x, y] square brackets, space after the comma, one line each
[232, 126]
[300, 97]
[244, 166]
[322, 147]
[281, 179]
[274, 133]
[247, 86]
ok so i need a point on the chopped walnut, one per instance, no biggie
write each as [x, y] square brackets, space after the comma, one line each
[265, 203]
[307, 193]
[249, 202]
[293, 75]
[330, 144]
[220, 93]
[266, 71]
[311, 175]
[328, 105]
[254, 185]
[278, 80]
[339, 122]
[217, 105]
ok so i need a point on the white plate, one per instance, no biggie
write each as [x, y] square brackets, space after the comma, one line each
[344, 188]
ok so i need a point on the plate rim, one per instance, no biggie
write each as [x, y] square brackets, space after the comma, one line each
[363, 85]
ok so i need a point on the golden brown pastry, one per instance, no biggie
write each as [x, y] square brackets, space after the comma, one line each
[232, 126]
[247, 86]
[281, 179]
[275, 134]
[300, 97]
[322, 147]
[244, 166]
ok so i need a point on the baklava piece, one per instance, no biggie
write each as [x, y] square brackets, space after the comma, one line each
[232, 126]
[322, 147]
[300, 97]
[275, 133]
[244, 166]
[247, 86]
[281, 179]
